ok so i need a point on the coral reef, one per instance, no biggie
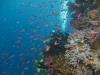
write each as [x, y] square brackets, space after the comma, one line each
[76, 53]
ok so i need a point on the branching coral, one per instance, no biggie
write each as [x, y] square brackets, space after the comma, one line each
[77, 49]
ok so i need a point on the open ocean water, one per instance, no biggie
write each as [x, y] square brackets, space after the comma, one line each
[24, 25]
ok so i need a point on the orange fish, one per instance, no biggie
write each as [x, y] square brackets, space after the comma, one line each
[32, 49]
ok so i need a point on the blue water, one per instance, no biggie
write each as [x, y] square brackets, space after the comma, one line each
[24, 25]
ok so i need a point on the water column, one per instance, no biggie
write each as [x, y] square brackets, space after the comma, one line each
[65, 15]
